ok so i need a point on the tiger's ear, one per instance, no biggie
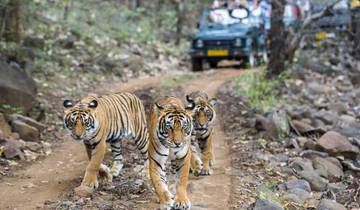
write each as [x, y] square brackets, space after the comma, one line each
[93, 104]
[215, 101]
[158, 106]
[191, 102]
[68, 103]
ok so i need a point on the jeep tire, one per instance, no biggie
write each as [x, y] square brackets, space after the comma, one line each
[196, 64]
[213, 64]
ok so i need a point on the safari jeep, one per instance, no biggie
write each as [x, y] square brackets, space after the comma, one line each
[227, 35]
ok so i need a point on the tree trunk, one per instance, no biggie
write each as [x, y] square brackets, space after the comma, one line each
[11, 22]
[180, 19]
[277, 40]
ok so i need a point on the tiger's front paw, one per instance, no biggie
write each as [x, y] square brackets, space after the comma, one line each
[182, 203]
[206, 171]
[104, 173]
[90, 180]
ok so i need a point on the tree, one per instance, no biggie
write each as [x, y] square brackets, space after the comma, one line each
[285, 42]
[180, 8]
[11, 20]
[277, 39]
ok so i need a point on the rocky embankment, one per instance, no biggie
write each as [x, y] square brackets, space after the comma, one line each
[304, 154]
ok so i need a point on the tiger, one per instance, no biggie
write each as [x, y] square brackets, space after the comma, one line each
[204, 116]
[170, 128]
[111, 118]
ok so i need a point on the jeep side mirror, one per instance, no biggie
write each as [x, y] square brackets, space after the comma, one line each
[197, 25]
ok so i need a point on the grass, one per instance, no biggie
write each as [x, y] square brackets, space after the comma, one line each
[177, 80]
[261, 92]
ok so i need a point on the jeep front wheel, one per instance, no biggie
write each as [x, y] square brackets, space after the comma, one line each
[196, 64]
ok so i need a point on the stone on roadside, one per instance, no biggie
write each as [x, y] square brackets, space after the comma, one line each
[83, 191]
[338, 107]
[28, 121]
[299, 184]
[327, 117]
[262, 204]
[317, 183]
[337, 144]
[4, 126]
[326, 204]
[337, 187]
[12, 150]
[26, 132]
[329, 168]
[33, 146]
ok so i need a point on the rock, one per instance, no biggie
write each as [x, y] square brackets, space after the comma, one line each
[315, 88]
[262, 204]
[28, 121]
[301, 126]
[299, 184]
[4, 126]
[349, 121]
[30, 156]
[33, 146]
[337, 144]
[310, 154]
[327, 117]
[26, 132]
[302, 165]
[83, 191]
[338, 107]
[337, 187]
[326, 204]
[317, 183]
[329, 168]
[12, 150]
[16, 87]
[300, 193]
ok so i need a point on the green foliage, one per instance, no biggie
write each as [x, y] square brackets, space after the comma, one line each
[177, 80]
[261, 92]
[9, 109]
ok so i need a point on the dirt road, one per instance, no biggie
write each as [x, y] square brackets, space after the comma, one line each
[48, 179]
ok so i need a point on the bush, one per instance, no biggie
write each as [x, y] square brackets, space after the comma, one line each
[261, 93]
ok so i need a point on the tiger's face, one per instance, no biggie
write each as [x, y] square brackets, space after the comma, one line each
[175, 126]
[80, 119]
[203, 112]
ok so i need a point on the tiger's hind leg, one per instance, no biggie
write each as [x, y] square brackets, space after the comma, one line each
[196, 163]
[105, 173]
[117, 158]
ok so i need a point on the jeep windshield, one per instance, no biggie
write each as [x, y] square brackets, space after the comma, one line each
[222, 18]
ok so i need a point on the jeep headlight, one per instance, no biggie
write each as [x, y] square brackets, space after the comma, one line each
[237, 42]
[199, 43]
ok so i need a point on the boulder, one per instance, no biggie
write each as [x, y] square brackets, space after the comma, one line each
[28, 121]
[317, 183]
[337, 144]
[337, 187]
[4, 126]
[329, 168]
[26, 132]
[326, 204]
[12, 150]
[16, 87]
[327, 117]
[298, 184]
[262, 204]
[338, 107]
[301, 126]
